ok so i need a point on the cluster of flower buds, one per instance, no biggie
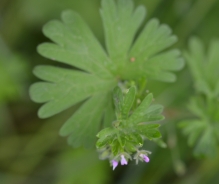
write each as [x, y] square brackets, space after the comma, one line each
[124, 157]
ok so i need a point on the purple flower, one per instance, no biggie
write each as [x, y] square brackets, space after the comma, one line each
[145, 157]
[114, 163]
[123, 160]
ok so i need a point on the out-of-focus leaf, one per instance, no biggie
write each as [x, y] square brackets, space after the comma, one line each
[193, 129]
[207, 145]
[13, 71]
[204, 66]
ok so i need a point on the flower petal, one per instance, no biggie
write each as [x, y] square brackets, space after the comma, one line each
[123, 160]
[115, 164]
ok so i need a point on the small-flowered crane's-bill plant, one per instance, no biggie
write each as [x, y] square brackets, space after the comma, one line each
[127, 60]
[202, 130]
[131, 127]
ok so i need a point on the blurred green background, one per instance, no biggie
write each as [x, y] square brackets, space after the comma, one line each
[32, 152]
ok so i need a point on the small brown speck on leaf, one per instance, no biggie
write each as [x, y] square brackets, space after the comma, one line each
[132, 59]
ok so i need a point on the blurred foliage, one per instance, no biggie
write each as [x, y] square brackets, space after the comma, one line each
[31, 150]
[204, 67]
[14, 73]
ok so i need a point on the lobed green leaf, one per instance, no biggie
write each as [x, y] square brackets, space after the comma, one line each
[75, 45]
[192, 129]
[207, 144]
[120, 25]
[204, 66]
[147, 62]
[65, 88]
[83, 125]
